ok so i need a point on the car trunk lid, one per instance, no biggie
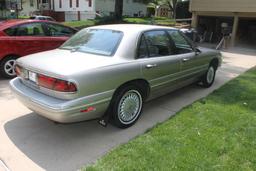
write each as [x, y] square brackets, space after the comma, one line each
[63, 63]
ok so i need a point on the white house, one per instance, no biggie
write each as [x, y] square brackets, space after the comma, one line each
[71, 10]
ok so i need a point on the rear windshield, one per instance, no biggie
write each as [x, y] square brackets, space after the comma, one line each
[96, 41]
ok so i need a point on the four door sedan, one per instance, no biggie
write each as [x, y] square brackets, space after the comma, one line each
[23, 37]
[111, 71]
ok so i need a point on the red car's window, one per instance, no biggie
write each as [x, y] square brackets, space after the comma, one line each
[10, 31]
[56, 30]
[31, 29]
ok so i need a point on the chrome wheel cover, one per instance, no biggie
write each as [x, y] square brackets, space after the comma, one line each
[129, 106]
[9, 67]
[210, 75]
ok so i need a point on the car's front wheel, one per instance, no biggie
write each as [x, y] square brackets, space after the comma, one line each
[209, 77]
[7, 67]
[127, 106]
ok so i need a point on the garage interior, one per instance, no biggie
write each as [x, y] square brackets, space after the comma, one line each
[209, 27]
[246, 33]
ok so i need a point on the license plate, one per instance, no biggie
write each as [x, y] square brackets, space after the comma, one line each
[32, 76]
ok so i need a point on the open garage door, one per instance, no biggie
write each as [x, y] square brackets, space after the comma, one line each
[210, 27]
[246, 35]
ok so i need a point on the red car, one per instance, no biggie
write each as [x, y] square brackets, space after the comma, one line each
[23, 37]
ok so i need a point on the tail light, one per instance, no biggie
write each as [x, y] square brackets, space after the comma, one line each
[21, 72]
[55, 84]
[17, 70]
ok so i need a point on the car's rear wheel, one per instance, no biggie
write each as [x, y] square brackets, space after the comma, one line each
[7, 67]
[209, 77]
[127, 106]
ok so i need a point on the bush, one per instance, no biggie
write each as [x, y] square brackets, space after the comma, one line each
[106, 20]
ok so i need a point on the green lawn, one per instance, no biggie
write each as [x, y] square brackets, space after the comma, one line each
[156, 21]
[214, 133]
[85, 23]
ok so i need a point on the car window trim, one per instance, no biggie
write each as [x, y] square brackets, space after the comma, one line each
[141, 36]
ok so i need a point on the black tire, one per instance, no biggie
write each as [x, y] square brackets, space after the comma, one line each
[209, 77]
[5, 64]
[122, 96]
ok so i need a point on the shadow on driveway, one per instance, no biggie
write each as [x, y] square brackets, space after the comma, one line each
[70, 146]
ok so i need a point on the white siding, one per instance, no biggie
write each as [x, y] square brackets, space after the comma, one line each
[105, 7]
[27, 8]
[87, 15]
[131, 8]
[83, 6]
[73, 15]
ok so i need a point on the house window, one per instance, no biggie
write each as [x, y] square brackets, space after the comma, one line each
[70, 3]
[44, 1]
[31, 3]
[90, 3]
[60, 3]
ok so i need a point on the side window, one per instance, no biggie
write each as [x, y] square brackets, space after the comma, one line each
[142, 50]
[158, 43]
[33, 29]
[58, 30]
[10, 31]
[180, 42]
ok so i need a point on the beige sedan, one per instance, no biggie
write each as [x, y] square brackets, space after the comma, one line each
[109, 71]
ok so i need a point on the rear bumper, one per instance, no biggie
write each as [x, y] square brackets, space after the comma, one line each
[63, 111]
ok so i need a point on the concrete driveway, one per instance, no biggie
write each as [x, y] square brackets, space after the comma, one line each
[30, 142]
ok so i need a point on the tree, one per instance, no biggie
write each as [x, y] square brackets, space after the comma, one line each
[171, 3]
[173, 7]
[118, 9]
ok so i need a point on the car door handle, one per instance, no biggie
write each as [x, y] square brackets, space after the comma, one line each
[151, 66]
[185, 59]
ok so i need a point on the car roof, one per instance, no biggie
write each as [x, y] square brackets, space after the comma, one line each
[9, 23]
[135, 28]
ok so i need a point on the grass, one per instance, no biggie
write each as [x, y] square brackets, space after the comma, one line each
[84, 23]
[156, 20]
[24, 17]
[214, 133]
[87, 23]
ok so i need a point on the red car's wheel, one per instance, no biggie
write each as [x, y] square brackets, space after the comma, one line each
[7, 67]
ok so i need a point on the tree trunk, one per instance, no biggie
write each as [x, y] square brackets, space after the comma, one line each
[118, 9]
[173, 6]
